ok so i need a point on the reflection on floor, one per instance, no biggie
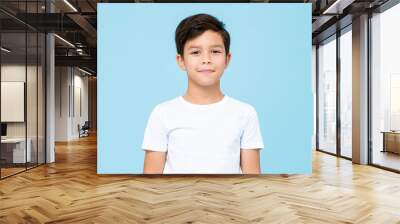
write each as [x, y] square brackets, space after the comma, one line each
[10, 169]
[346, 152]
[386, 159]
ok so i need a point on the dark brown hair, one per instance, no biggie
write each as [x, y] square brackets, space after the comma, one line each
[193, 26]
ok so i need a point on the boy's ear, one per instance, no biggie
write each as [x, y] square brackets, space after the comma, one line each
[228, 59]
[181, 63]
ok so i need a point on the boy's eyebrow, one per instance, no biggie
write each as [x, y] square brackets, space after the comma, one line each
[215, 45]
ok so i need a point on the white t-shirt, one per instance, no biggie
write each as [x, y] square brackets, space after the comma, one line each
[202, 139]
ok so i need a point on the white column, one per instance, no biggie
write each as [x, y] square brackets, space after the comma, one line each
[50, 92]
[360, 90]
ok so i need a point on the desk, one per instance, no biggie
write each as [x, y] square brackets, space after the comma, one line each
[17, 150]
[391, 141]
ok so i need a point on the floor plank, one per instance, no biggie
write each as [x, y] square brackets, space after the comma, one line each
[70, 191]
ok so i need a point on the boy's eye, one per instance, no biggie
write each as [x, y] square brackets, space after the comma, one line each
[195, 52]
[216, 52]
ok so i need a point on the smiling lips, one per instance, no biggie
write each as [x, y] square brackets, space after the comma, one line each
[206, 71]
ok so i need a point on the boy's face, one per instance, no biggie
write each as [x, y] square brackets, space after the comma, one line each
[204, 59]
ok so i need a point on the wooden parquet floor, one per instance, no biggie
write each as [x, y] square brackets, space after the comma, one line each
[70, 191]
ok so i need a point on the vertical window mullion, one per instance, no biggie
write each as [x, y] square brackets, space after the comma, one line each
[37, 89]
[338, 91]
[26, 86]
[317, 95]
[369, 91]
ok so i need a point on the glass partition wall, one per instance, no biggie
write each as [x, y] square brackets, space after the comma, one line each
[327, 95]
[334, 71]
[345, 62]
[385, 89]
[334, 74]
[22, 88]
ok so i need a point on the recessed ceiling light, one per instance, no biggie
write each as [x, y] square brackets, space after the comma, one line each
[64, 40]
[337, 7]
[84, 71]
[5, 50]
[70, 5]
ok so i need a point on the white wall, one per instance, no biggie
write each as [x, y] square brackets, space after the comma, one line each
[70, 84]
[62, 81]
[10, 73]
[79, 117]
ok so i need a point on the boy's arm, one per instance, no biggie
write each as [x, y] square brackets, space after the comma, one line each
[250, 161]
[154, 162]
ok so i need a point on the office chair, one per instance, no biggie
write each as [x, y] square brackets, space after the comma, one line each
[84, 130]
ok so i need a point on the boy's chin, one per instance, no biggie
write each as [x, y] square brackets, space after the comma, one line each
[207, 84]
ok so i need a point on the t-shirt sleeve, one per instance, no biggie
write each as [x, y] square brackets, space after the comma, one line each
[251, 137]
[155, 136]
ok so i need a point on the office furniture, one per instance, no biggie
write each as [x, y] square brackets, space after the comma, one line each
[13, 150]
[391, 141]
[84, 130]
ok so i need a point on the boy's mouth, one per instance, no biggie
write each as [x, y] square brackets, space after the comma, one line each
[206, 71]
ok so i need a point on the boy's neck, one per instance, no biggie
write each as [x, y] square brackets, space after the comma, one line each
[200, 95]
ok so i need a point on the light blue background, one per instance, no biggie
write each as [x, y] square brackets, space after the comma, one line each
[270, 69]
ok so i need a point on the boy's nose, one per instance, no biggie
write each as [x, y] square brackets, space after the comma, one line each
[206, 59]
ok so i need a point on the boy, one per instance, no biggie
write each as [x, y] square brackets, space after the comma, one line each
[203, 131]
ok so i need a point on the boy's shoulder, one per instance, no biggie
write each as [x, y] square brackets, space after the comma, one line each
[241, 105]
[167, 104]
